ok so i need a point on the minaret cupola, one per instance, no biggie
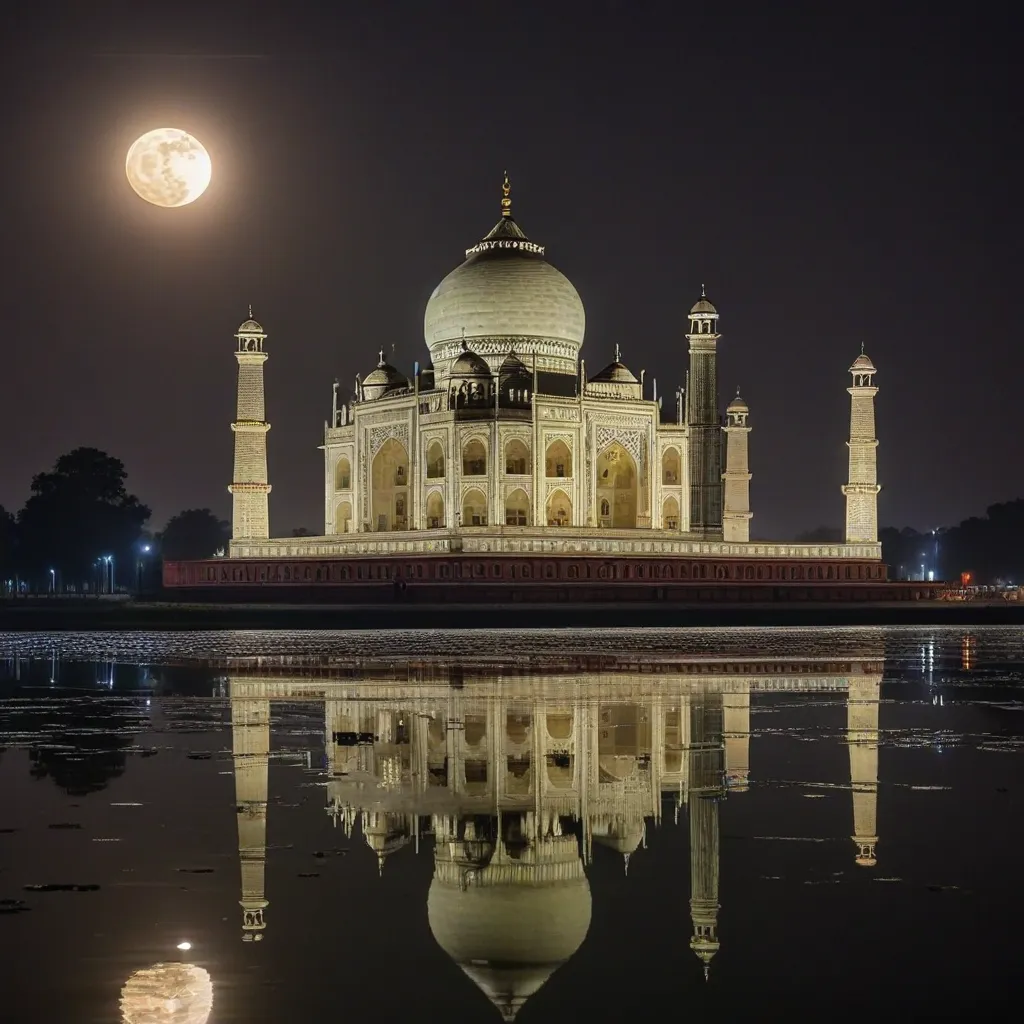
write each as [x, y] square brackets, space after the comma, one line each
[703, 317]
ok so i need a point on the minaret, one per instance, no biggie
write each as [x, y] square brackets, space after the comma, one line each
[705, 433]
[862, 490]
[250, 518]
[862, 739]
[250, 739]
[736, 515]
[703, 792]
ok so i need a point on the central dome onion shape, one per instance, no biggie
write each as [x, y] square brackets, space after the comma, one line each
[167, 994]
[504, 296]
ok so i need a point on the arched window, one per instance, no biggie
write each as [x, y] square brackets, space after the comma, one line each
[343, 518]
[558, 460]
[670, 514]
[474, 509]
[342, 475]
[517, 508]
[517, 458]
[474, 459]
[606, 509]
[389, 476]
[618, 485]
[435, 461]
[435, 511]
[670, 473]
[559, 509]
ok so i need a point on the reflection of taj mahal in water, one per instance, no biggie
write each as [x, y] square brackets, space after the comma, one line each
[516, 775]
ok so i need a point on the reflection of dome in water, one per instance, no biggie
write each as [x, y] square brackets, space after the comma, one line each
[510, 938]
[167, 994]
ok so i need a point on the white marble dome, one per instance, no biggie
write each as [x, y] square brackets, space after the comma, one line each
[505, 290]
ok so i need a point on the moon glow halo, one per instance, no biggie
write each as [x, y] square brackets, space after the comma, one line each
[168, 167]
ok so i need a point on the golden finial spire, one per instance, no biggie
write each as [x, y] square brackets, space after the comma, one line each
[250, 310]
[506, 197]
[703, 294]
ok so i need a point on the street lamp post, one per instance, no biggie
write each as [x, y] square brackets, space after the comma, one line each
[53, 582]
[140, 565]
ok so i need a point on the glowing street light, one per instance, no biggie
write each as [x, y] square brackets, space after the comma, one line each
[140, 564]
[184, 946]
[53, 582]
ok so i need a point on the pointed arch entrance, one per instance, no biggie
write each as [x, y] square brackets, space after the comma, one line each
[389, 507]
[617, 488]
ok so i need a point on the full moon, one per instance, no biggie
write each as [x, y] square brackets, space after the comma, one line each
[168, 167]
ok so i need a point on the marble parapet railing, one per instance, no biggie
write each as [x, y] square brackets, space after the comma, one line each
[555, 540]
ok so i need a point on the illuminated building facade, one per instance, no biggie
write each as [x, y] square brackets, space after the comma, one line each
[502, 442]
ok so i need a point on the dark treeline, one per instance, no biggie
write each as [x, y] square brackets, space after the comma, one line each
[989, 547]
[81, 530]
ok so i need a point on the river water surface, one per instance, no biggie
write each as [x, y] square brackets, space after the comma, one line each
[232, 828]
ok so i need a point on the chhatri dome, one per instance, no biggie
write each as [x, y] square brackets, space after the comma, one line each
[504, 296]
[863, 364]
[703, 305]
[382, 379]
[250, 326]
[737, 404]
[616, 372]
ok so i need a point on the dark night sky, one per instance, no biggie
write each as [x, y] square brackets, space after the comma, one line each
[834, 178]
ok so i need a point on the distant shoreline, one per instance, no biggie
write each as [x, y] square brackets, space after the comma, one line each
[41, 615]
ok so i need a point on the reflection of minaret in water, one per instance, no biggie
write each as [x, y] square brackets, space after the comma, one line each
[736, 724]
[705, 788]
[862, 738]
[250, 727]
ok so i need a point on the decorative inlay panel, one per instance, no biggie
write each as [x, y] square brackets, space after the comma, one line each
[380, 435]
[634, 441]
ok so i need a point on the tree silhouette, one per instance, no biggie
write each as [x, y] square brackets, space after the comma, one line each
[77, 513]
[194, 533]
[988, 547]
[85, 748]
[80, 741]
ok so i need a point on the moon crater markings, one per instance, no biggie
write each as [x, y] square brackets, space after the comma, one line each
[168, 167]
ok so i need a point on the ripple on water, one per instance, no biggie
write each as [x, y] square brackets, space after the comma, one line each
[900, 643]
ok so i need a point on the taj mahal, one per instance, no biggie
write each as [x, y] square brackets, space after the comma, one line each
[502, 440]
